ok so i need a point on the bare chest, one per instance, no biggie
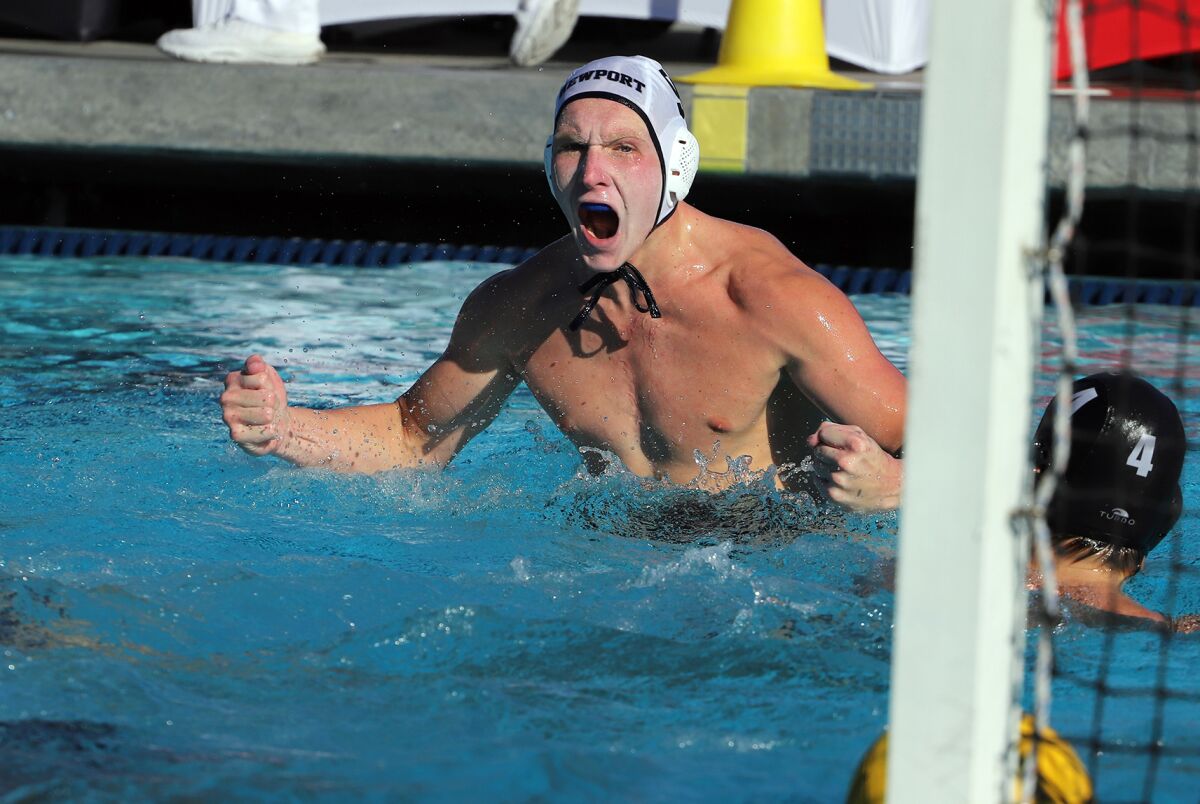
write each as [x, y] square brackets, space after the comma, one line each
[650, 391]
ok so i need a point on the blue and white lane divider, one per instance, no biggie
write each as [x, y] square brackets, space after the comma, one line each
[1085, 290]
[67, 243]
[82, 243]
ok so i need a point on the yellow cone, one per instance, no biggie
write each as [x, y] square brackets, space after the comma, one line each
[774, 43]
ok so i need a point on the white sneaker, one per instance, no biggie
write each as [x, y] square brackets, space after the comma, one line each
[543, 26]
[234, 41]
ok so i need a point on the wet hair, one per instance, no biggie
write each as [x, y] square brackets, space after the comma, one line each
[1125, 560]
[1120, 494]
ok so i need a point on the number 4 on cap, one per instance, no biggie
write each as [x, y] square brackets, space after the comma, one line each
[1141, 456]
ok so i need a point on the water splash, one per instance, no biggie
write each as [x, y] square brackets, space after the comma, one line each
[717, 559]
[520, 568]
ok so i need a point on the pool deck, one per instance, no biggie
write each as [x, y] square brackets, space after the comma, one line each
[465, 110]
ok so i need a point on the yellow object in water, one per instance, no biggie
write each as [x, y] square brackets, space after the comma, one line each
[1061, 776]
[774, 43]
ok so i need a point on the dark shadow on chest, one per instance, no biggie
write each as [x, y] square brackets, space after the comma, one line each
[791, 418]
[600, 324]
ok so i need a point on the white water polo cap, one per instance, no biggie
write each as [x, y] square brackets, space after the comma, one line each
[644, 86]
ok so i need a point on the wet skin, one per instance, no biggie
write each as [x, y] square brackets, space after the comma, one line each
[753, 348]
[1090, 581]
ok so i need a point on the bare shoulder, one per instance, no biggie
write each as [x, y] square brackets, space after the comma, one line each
[505, 311]
[508, 296]
[767, 280]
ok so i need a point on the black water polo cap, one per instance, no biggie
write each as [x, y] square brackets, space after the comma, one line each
[1122, 481]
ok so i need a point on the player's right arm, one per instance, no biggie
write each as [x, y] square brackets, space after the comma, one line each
[458, 396]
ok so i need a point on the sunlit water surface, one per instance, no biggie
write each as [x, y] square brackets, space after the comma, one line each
[178, 619]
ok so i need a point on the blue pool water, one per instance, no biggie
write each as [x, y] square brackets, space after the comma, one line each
[177, 619]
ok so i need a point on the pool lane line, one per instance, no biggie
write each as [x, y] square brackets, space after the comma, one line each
[86, 243]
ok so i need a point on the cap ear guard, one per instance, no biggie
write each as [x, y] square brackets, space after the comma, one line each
[549, 162]
[682, 161]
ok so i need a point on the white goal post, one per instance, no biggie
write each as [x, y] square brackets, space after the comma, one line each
[977, 301]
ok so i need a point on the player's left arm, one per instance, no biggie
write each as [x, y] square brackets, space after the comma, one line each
[833, 359]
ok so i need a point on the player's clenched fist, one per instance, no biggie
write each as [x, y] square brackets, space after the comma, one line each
[853, 470]
[254, 406]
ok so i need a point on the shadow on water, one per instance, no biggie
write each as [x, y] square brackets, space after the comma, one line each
[90, 742]
[742, 516]
[37, 751]
[751, 511]
[22, 607]
[40, 755]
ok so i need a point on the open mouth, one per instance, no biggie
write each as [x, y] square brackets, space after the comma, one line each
[598, 220]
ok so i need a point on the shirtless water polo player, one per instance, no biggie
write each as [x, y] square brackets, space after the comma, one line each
[651, 331]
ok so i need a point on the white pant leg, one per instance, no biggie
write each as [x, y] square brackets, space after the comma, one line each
[294, 16]
[210, 12]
